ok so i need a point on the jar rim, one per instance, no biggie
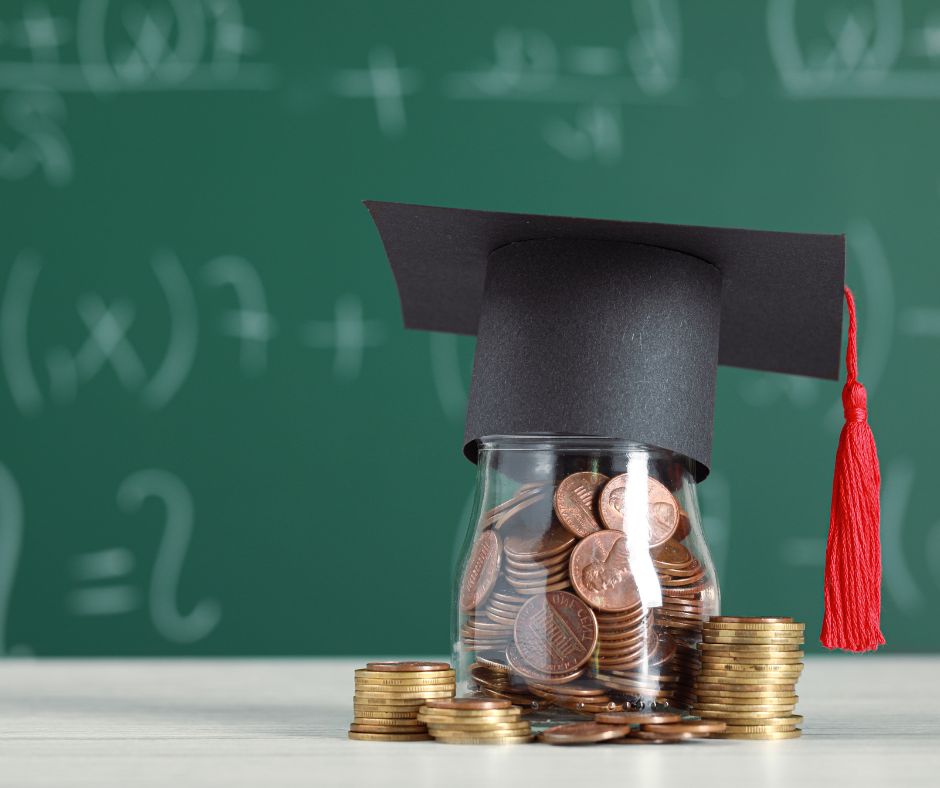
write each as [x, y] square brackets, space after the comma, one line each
[553, 441]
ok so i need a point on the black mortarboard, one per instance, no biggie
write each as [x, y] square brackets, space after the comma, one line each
[609, 328]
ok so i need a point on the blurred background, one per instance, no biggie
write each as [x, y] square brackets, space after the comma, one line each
[217, 437]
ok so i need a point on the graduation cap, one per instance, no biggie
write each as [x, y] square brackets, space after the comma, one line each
[615, 329]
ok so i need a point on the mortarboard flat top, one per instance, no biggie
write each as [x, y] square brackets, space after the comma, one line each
[613, 328]
[781, 306]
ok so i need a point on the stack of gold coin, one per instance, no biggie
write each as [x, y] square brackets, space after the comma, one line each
[750, 667]
[390, 694]
[475, 721]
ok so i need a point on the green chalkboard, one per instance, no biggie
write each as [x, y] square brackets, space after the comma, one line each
[217, 439]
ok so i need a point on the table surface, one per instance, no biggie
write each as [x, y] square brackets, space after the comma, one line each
[870, 720]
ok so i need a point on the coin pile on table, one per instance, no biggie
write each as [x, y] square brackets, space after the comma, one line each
[632, 727]
[750, 667]
[552, 615]
[389, 696]
[473, 721]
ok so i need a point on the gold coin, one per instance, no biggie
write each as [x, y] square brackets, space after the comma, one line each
[457, 714]
[752, 619]
[746, 707]
[750, 640]
[745, 648]
[769, 735]
[363, 727]
[790, 658]
[751, 626]
[787, 721]
[751, 716]
[391, 722]
[475, 740]
[362, 681]
[763, 700]
[418, 674]
[382, 714]
[727, 677]
[701, 694]
[389, 736]
[758, 728]
[381, 705]
[507, 728]
[496, 733]
[409, 697]
[775, 667]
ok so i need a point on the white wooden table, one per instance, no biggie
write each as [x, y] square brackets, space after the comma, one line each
[872, 720]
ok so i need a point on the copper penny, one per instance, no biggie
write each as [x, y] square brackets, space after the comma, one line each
[662, 509]
[482, 570]
[555, 632]
[660, 736]
[519, 666]
[468, 704]
[534, 544]
[638, 718]
[575, 502]
[672, 554]
[407, 667]
[583, 733]
[600, 572]
[694, 727]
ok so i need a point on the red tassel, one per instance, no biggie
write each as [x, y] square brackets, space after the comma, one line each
[852, 620]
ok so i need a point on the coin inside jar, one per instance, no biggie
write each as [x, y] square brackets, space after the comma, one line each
[600, 572]
[661, 507]
[575, 502]
[555, 632]
[481, 572]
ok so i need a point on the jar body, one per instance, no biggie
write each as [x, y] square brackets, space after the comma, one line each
[584, 577]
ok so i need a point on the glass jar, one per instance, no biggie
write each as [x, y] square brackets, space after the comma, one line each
[584, 577]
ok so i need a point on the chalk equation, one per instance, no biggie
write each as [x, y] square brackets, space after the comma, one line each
[103, 579]
[106, 345]
[585, 85]
[867, 49]
[108, 47]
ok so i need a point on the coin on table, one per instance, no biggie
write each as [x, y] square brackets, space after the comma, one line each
[481, 571]
[754, 630]
[356, 736]
[752, 716]
[662, 509]
[360, 727]
[637, 718]
[468, 704]
[788, 721]
[751, 619]
[600, 572]
[692, 727]
[648, 740]
[769, 735]
[755, 648]
[759, 728]
[391, 697]
[583, 733]
[477, 740]
[387, 722]
[575, 502]
[408, 667]
[555, 632]
[656, 736]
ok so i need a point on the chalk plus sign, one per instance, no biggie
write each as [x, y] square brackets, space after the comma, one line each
[348, 335]
[385, 83]
[41, 32]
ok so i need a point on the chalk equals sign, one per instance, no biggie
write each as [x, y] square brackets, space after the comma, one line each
[97, 568]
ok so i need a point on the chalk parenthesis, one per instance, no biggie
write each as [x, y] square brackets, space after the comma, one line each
[14, 332]
[184, 332]
[11, 537]
[164, 582]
